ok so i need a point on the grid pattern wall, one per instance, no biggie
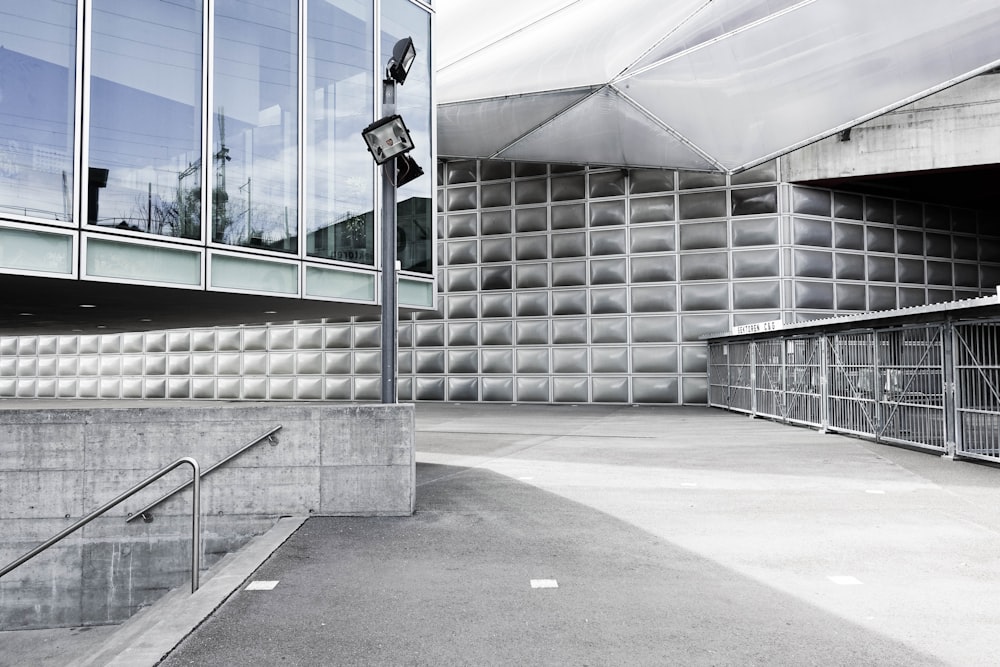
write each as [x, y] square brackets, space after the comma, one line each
[562, 284]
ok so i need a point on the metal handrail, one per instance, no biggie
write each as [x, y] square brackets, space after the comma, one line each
[144, 512]
[195, 519]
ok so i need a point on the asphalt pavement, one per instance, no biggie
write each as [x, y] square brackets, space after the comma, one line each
[599, 535]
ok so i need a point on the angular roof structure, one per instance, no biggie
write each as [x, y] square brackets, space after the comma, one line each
[716, 85]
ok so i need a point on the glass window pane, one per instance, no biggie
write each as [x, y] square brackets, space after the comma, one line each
[255, 160]
[144, 165]
[414, 237]
[37, 62]
[341, 191]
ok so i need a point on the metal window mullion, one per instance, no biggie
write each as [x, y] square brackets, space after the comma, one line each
[78, 187]
[208, 128]
[302, 138]
[82, 144]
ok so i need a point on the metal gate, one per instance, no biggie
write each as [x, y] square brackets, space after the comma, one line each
[977, 390]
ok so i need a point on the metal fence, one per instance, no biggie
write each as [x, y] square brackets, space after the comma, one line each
[934, 386]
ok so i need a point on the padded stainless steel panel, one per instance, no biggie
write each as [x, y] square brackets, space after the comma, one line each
[308, 388]
[965, 247]
[462, 305]
[570, 390]
[336, 389]
[569, 302]
[463, 389]
[657, 299]
[651, 209]
[430, 389]
[67, 345]
[850, 297]
[130, 343]
[404, 362]
[569, 331]
[229, 363]
[463, 333]
[694, 359]
[569, 216]
[911, 296]
[66, 366]
[338, 335]
[110, 387]
[498, 389]
[607, 242]
[848, 236]
[176, 388]
[652, 239]
[642, 181]
[751, 232]
[608, 300]
[460, 171]
[532, 304]
[697, 205]
[367, 335]
[938, 245]
[654, 390]
[496, 222]
[963, 221]
[254, 339]
[880, 239]
[756, 263]
[705, 297]
[530, 360]
[493, 170]
[495, 194]
[368, 362]
[281, 363]
[610, 390]
[531, 247]
[609, 359]
[661, 359]
[533, 191]
[91, 344]
[566, 274]
[569, 360]
[203, 364]
[498, 361]
[693, 327]
[878, 210]
[463, 361]
[429, 361]
[530, 220]
[762, 173]
[461, 199]
[572, 244]
[691, 180]
[704, 235]
[256, 388]
[607, 213]
[604, 330]
[809, 201]
[531, 332]
[496, 250]
[462, 280]
[938, 273]
[535, 390]
[910, 271]
[497, 305]
[813, 295]
[607, 184]
[694, 389]
[849, 206]
[849, 267]
[654, 269]
[404, 335]
[812, 263]
[462, 252]
[566, 188]
[527, 276]
[497, 333]
[496, 277]
[608, 271]
[909, 214]
[282, 338]
[812, 232]
[429, 334]
[881, 269]
[661, 329]
[754, 201]
[177, 364]
[705, 266]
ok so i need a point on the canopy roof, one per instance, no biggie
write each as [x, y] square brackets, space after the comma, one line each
[716, 85]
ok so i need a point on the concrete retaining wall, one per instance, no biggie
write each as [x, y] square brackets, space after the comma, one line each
[60, 461]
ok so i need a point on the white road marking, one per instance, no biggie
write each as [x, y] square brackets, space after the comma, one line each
[261, 585]
[544, 583]
[842, 580]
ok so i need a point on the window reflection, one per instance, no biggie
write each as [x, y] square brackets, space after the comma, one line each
[254, 155]
[414, 241]
[341, 189]
[37, 46]
[144, 164]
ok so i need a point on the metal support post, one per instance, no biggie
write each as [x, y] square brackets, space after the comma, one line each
[390, 314]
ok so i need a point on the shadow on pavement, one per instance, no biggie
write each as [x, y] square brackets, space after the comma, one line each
[452, 586]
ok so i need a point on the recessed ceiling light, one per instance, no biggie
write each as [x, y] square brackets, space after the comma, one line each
[26, 314]
[145, 319]
[87, 305]
[270, 312]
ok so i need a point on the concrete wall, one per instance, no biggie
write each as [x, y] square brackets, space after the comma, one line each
[957, 127]
[58, 462]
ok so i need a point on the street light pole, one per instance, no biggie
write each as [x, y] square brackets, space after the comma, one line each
[390, 314]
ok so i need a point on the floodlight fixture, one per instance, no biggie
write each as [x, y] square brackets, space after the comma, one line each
[403, 55]
[406, 170]
[387, 138]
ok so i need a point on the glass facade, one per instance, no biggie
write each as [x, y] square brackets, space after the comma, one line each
[37, 107]
[219, 125]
